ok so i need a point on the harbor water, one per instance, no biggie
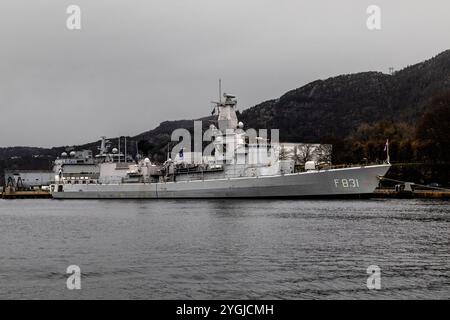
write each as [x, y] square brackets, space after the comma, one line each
[225, 249]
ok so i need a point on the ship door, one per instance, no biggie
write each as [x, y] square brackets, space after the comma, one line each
[60, 188]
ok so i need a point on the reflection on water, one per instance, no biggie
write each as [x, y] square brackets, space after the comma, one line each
[224, 249]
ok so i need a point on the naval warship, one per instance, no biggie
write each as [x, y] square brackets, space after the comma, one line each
[252, 169]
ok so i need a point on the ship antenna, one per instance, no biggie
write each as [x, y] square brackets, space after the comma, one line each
[119, 149]
[168, 152]
[220, 90]
[137, 150]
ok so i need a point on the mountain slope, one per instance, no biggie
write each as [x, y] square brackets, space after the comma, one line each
[335, 107]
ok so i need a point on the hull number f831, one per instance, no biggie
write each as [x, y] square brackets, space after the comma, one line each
[346, 183]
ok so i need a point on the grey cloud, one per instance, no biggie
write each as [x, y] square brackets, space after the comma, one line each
[137, 63]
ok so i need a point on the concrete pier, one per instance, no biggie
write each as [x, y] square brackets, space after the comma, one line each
[37, 194]
[416, 194]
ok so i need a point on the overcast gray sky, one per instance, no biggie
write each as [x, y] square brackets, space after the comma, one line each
[136, 63]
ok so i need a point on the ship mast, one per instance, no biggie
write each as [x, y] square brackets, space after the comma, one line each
[220, 90]
[103, 146]
[227, 118]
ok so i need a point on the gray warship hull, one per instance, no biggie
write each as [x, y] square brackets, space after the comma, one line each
[353, 181]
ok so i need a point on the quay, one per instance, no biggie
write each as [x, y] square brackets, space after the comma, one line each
[416, 194]
[34, 194]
